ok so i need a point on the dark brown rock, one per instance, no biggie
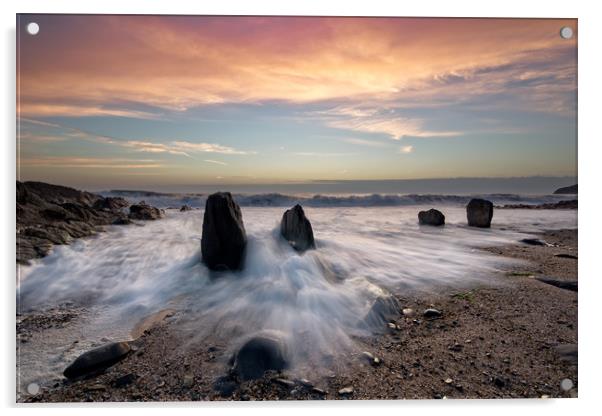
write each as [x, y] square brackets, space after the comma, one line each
[260, 354]
[52, 214]
[96, 360]
[143, 211]
[567, 190]
[431, 217]
[296, 229]
[224, 239]
[479, 213]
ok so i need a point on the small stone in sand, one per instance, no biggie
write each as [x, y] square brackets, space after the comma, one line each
[432, 313]
[188, 381]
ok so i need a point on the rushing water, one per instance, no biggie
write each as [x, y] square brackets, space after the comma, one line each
[131, 271]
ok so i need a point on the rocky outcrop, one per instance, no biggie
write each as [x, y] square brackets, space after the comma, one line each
[224, 238]
[569, 204]
[479, 213]
[431, 217]
[52, 214]
[97, 360]
[143, 211]
[260, 354]
[566, 190]
[296, 229]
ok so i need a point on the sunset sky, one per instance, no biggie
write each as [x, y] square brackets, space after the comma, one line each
[158, 101]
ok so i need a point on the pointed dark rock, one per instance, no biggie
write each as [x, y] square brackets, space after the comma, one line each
[296, 229]
[479, 213]
[224, 238]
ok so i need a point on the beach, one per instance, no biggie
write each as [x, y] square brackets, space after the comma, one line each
[499, 331]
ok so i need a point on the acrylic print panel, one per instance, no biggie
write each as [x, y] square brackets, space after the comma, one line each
[295, 208]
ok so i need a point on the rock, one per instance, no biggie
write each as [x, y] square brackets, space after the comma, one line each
[296, 229]
[346, 391]
[51, 214]
[566, 256]
[260, 354]
[566, 190]
[111, 203]
[479, 213]
[568, 353]
[143, 211]
[384, 310]
[285, 382]
[499, 382]
[431, 217]
[188, 381]
[533, 242]
[185, 208]
[432, 313]
[225, 386]
[370, 358]
[97, 360]
[224, 238]
[125, 380]
[571, 285]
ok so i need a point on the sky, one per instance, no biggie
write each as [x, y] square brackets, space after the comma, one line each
[166, 102]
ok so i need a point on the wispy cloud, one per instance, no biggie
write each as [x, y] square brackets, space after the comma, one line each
[91, 162]
[406, 149]
[364, 142]
[175, 147]
[387, 121]
[217, 162]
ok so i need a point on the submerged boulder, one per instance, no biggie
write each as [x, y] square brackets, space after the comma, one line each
[97, 360]
[260, 354]
[385, 309]
[479, 213]
[143, 211]
[296, 229]
[431, 217]
[224, 238]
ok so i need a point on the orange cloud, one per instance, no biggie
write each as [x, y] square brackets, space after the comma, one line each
[112, 65]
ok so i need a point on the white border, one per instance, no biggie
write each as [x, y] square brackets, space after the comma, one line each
[590, 94]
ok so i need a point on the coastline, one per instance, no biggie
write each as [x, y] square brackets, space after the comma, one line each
[494, 341]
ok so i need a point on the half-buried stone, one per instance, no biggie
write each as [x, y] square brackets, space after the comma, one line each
[431, 217]
[224, 238]
[260, 354]
[296, 229]
[385, 309]
[97, 360]
[479, 213]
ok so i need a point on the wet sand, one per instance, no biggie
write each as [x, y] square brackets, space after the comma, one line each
[503, 340]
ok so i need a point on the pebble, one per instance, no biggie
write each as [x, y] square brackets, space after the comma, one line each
[285, 382]
[346, 391]
[305, 382]
[188, 381]
[370, 358]
[432, 313]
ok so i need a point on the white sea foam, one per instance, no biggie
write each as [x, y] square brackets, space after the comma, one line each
[131, 271]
